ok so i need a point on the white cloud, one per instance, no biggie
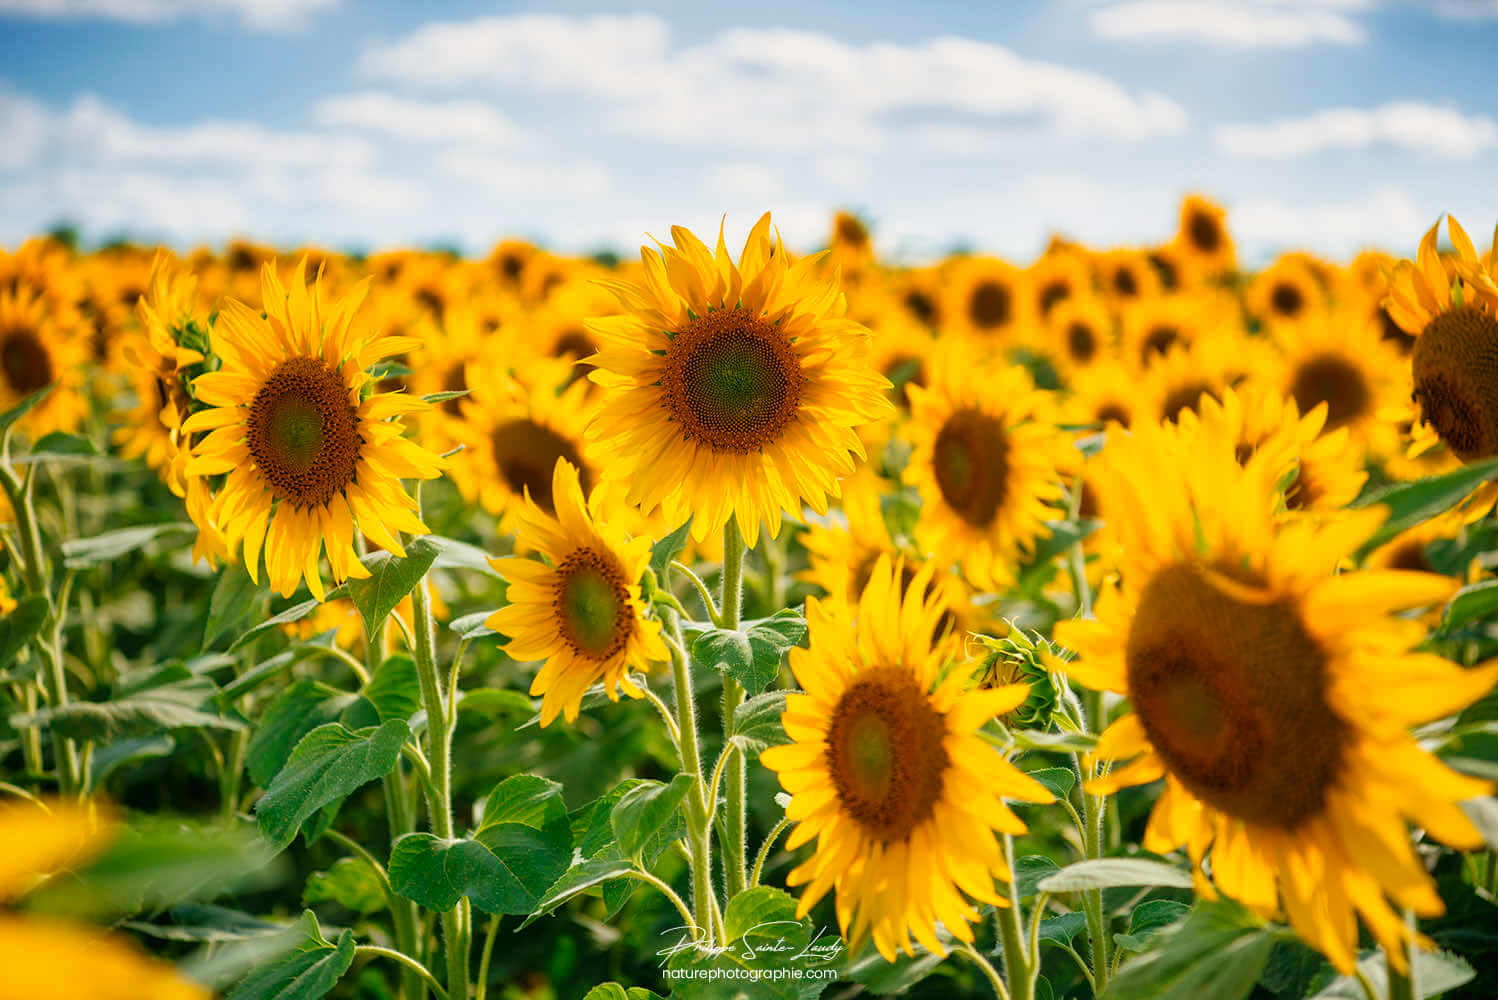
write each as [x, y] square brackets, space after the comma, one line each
[743, 180]
[462, 122]
[1388, 217]
[1467, 10]
[263, 14]
[1233, 23]
[765, 88]
[1432, 129]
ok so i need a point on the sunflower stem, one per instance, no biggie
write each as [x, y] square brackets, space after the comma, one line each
[1018, 970]
[735, 838]
[989, 972]
[439, 753]
[699, 832]
[1402, 985]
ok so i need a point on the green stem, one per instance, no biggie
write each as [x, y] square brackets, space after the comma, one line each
[239, 744]
[400, 814]
[764, 850]
[1018, 970]
[989, 972]
[485, 956]
[439, 753]
[409, 964]
[699, 833]
[735, 775]
[1402, 985]
[703, 593]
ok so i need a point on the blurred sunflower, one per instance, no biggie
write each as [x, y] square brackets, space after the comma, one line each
[309, 458]
[1150, 327]
[1203, 236]
[850, 246]
[886, 771]
[1285, 292]
[1058, 277]
[1079, 333]
[985, 455]
[1126, 275]
[1271, 693]
[1104, 393]
[580, 611]
[731, 390]
[918, 292]
[35, 352]
[1174, 267]
[1177, 381]
[987, 299]
[508, 261]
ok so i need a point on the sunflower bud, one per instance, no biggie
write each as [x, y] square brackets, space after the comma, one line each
[1019, 658]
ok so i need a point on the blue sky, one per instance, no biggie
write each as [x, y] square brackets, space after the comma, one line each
[1324, 124]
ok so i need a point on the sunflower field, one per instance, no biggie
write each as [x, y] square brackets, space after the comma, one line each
[1122, 624]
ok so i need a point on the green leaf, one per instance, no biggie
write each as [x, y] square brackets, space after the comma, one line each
[1415, 502]
[1029, 870]
[453, 554]
[1059, 930]
[884, 978]
[644, 810]
[309, 972]
[328, 764]
[1484, 815]
[112, 755]
[81, 553]
[350, 883]
[751, 655]
[1473, 602]
[391, 578]
[395, 688]
[472, 626]
[1036, 739]
[235, 598]
[527, 799]
[204, 922]
[20, 627]
[667, 549]
[497, 701]
[613, 991]
[442, 397]
[1105, 873]
[1147, 920]
[1436, 972]
[1058, 780]
[578, 879]
[22, 408]
[763, 911]
[756, 722]
[159, 710]
[295, 613]
[761, 933]
[1218, 952]
[60, 447]
[294, 713]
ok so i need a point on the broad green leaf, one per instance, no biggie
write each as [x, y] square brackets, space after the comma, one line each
[1036, 739]
[350, 883]
[751, 655]
[295, 613]
[20, 627]
[146, 714]
[395, 688]
[1473, 602]
[328, 764]
[613, 991]
[81, 553]
[1058, 780]
[307, 973]
[62, 448]
[578, 879]
[761, 933]
[1028, 872]
[1414, 502]
[472, 626]
[453, 554]
[112, 755]
[762, 910]
[294, 713]
[204, 922]
[756, 722]
[391, 578]
[235, 598]
[646, 809]
[1105, 873]
[1147, 919]
[1061, 929]
[883, 978]
[1436, 972]
[527, 799]
[1218, 952]
[497, 701]
[667, 549]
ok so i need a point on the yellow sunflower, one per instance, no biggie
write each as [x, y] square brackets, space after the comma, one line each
[309, 458]
[850, 246]
[1150, 327]
[1104, 393]
[508, 261]
[887, 773]
[1126, 275]
[986, 457]
[1271, 693]
[731, 390]
[918, 292]
[580, 611]
[35, 352]
[1079, 333]
[1203, 237]
[1286, 291]
[1177, 382]
[987, 299]
[1056, 278]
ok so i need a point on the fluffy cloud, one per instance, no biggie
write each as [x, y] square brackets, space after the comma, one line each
[1376, 219]
[262, 14]
[461, 121]
[765, 88]
[1234, 23]
[1431, 129]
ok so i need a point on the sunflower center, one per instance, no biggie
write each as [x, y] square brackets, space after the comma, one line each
[303, 433]
[1286, 300]
[1411, 555]
[574, 343]
[25, 361]
[1166, 269]
[971, 461]
[920, 305]
[1337, 383]
[1158, 341]
[1204, 232]
[1456, 380]
[885, 753]
[851, 231]
[1113, 413]
[1233, 697]
[1081, 342]
[526, 455]
[732, 381]
[1052, 293]
[1124, 282]
[592, 604]
[989, 305]
[1187, 397]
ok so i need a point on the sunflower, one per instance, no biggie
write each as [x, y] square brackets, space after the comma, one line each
[515, 428]
[1056, 278]
[987, 299]
[35, 352]
[843, 557]
[580, 611]
[731, 390]
[918, 292]
[850, 246]
[1454, 320]
[1126, 275]
[1150, 327]
[887, 773]
[1174, 267]
[1287, 291]
[1271, 693]
[450, 352]
[309, 458]
[1104, 393]
[1079, 333]
[508, 261]
[1203, 237]
[1177, 382]
[985, 456]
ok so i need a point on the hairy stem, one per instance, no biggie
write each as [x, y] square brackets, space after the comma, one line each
[1018, 971]
[735, 778]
